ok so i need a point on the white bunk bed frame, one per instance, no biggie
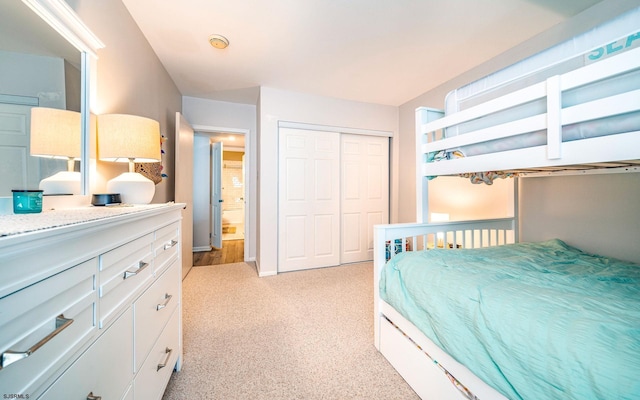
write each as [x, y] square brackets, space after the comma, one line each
[397, 338]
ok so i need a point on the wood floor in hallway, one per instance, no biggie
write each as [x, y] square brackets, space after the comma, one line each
[232, 251]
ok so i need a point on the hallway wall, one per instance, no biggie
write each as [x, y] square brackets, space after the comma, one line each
[211, 113]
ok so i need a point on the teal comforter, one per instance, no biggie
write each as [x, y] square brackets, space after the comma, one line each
[533, 320]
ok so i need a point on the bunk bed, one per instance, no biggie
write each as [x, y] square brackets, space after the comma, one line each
[439, 288]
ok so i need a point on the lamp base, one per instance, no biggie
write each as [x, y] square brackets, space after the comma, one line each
[63, 182]
[133, 188]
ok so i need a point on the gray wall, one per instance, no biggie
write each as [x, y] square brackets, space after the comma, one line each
[596, 213]
[131, 80]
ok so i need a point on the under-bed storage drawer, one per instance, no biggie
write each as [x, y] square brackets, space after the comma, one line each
[153, 309]
[105, 370]
[166, 245]
[412, 363]
[44, 326]
[156, 370]
[124, 272]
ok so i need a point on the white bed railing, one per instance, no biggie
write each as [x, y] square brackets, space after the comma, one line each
[616, 147]
[389, 240]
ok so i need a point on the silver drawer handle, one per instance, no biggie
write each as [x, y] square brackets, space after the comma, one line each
[10, 356]
[92, 396]
[170, 244]
[142, 265]
[166, 360]
[167, 298]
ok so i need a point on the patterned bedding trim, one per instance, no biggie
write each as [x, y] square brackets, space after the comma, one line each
[474, 177]
[456, 383]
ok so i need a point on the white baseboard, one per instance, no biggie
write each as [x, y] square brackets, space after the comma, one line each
[263, 274]
[201, 248]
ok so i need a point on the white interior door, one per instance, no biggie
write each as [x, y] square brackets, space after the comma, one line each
[364, 193]
[184, 187]
[19, 170]
[309, 199]
[216, 195]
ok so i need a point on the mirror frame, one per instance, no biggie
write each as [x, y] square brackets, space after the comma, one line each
[63, 19]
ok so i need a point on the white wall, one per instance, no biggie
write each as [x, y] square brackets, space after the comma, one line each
[220, 114]
[465, 201]
[278, 105]
[596, 213]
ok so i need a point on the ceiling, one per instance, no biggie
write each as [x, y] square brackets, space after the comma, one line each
[229, 140]
[376, 51]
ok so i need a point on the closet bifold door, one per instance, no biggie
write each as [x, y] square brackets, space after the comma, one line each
[308, 199]
[364, 193]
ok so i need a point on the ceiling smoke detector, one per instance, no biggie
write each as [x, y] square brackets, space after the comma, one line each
[218, 41]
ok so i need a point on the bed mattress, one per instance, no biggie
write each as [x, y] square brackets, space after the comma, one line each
[532, 320]
[621, 123]
[606, 40]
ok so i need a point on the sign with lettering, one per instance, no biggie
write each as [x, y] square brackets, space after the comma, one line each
[614, 47]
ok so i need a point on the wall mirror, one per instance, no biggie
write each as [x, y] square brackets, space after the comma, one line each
[44, 95]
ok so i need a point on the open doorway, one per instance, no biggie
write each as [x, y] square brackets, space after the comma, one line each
[233, 192]
[220, 203]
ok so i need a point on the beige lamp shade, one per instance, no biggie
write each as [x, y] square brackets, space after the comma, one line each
[55, 133]
[123, 138]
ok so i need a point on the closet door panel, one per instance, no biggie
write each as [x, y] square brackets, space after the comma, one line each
[324, 226]
[351, 242]
[309, 200]
[296, 247]
[351, 179]
[374, 183]
[323, 185]
[364, 192]
[374, 218]
[295, 180]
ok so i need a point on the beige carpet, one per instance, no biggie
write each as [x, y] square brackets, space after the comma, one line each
[299, 335]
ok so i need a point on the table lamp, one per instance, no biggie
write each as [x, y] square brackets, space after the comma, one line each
[129, 138]
[56, 133]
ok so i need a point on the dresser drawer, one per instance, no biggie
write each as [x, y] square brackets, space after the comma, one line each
[166, 246]
[153, 309]
[155, 372]
[124, 272]
[104, 370]
[44, 326]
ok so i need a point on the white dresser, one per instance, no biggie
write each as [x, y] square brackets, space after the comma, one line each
[90, 303]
